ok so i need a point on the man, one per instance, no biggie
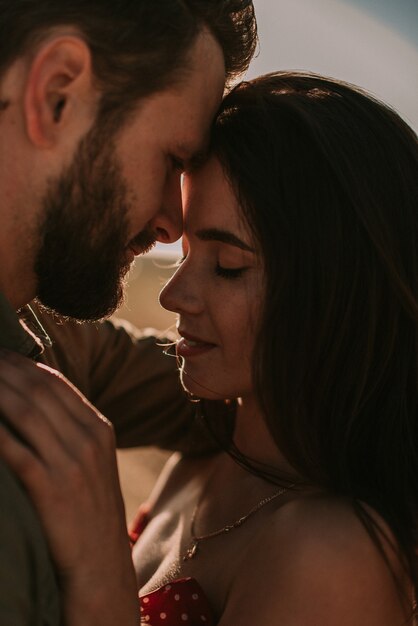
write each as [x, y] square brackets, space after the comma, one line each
[102, 105]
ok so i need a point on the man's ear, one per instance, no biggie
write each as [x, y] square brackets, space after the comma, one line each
[59, 92]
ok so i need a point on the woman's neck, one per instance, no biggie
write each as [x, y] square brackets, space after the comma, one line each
[252, 437]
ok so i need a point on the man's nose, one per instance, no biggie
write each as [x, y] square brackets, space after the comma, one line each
[168, 224]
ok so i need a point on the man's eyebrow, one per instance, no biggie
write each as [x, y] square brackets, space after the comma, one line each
[224, 236]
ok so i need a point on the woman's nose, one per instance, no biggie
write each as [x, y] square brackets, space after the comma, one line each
[181, 293]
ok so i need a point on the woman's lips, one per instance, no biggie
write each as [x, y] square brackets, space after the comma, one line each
[188, 347]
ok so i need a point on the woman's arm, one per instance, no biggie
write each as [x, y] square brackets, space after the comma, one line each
[63, 451]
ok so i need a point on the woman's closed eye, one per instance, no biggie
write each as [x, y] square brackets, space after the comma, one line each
[230, 273]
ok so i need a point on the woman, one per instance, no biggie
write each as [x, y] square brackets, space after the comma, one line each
[297, 303]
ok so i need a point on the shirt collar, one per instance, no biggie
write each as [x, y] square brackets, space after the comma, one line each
[21, 331]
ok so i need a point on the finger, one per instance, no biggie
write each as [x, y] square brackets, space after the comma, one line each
[36, 431]
[70, 395]
[63, 406]
[22, 373]
[47, 386]
[70, 466]
[76, 405]
[29, 403]
[21, 459]
[53, 495]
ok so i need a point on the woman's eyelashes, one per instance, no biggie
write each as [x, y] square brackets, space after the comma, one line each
[223, 272]
[229, 273]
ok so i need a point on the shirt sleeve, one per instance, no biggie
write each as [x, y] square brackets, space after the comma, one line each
[124, 372]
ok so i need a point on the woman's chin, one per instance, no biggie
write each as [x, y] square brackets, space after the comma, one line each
[197, 389]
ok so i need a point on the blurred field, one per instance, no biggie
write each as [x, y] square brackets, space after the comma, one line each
[146, 280]
[140, 467]
[138, 470]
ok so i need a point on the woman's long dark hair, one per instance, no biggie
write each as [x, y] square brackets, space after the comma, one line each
[327, 178]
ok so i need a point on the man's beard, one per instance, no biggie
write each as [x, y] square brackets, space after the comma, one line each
[83, 257]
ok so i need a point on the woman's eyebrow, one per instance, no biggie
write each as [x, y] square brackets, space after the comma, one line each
[224, 236]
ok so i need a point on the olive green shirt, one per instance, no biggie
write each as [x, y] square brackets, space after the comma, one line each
[29, 594]
[122, 371]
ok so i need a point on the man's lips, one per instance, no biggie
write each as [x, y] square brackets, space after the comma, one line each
[134, 251]
[189, 345]
[140, 249]
[143, 242]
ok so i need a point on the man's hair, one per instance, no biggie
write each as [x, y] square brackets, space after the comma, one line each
[138, 47]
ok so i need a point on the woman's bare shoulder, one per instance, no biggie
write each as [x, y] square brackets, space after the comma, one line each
[314, 562]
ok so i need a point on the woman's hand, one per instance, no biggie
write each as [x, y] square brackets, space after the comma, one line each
[63, 451]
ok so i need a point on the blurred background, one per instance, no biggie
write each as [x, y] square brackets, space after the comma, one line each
[372, 43]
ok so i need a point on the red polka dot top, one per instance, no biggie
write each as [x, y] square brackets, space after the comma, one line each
[182, 601]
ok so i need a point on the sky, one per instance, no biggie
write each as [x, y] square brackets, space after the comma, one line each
[371, 43]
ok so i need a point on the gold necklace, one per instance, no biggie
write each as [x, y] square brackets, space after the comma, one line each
[194, 544]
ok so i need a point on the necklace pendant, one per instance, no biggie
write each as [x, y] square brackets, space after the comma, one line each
[191, 551]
